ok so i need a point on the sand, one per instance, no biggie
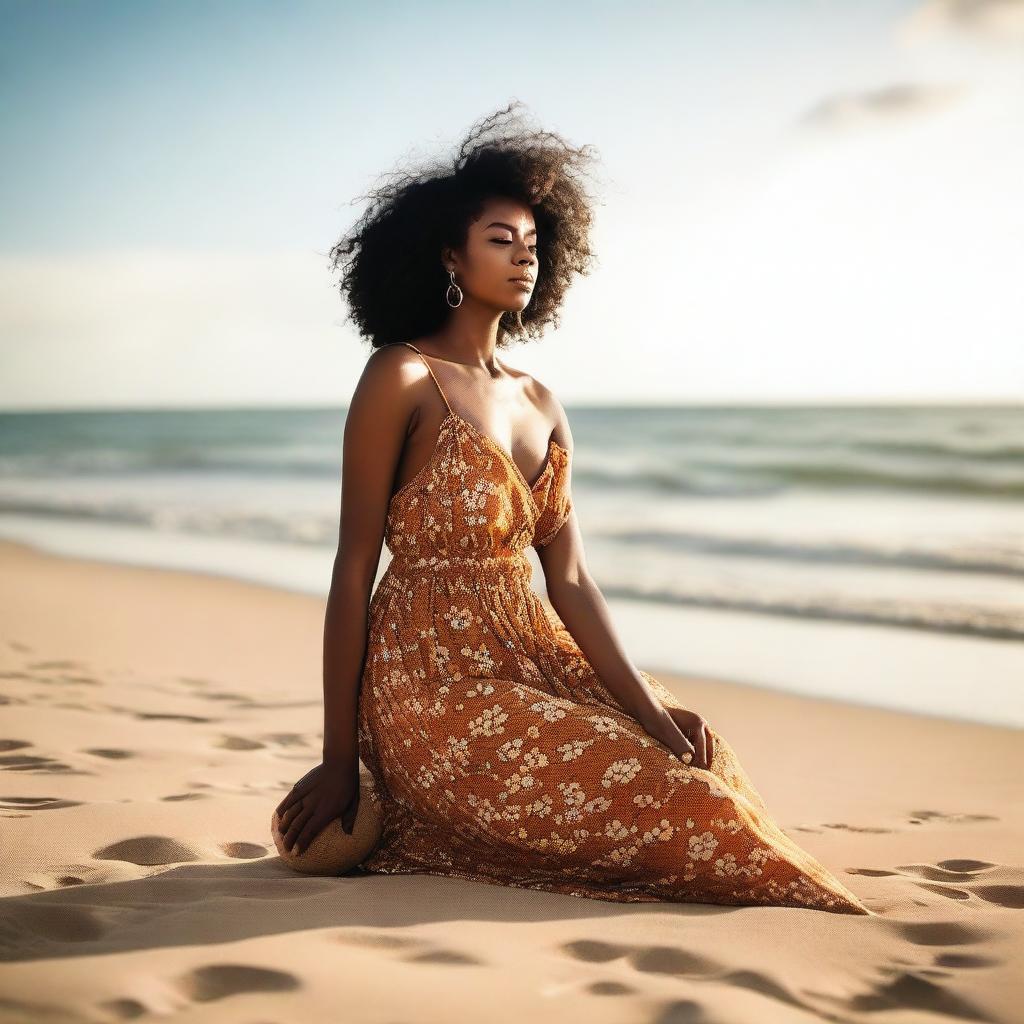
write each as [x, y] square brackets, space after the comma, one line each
[152, 719]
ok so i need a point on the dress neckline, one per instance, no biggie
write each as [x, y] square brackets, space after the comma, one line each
[507, 456]
[454, 418]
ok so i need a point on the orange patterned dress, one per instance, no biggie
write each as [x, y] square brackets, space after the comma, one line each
[499, 756]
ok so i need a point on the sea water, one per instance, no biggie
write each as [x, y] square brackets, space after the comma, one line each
[869, 553]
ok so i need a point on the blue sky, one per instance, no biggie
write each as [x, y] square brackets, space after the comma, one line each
[811, 201]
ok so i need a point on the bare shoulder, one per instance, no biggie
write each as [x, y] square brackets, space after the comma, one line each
[547, 401]
[388, 358]
[393, 368]
[394, 377]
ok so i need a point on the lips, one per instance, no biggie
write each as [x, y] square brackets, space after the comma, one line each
[522, 280]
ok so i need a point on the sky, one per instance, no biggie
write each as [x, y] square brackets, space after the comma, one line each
[814, 202]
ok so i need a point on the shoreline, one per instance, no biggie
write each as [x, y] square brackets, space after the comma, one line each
[861, 664]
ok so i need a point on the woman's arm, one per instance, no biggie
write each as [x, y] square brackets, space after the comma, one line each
[575, 596]
[379, 415]
[579, 603]
[375, 432]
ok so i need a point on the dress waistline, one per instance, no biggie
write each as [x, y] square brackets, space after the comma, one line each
[404, 567]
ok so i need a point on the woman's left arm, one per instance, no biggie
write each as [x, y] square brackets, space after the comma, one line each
[579, 603]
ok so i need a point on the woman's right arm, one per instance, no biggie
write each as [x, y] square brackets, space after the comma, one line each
[373, 438]
[382, 407]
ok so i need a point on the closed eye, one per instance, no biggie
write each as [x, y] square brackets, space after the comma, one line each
[508, 241]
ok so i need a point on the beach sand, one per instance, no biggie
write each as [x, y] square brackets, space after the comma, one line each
[152, 719]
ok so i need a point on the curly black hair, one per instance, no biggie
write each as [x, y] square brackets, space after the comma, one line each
[392, 275]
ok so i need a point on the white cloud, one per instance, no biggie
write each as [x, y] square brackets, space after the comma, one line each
[998, 23]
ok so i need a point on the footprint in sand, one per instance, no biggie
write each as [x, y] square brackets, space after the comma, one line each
[941, 933]
[682, 963]
[914, 818]
[36, 803]
[36, 763]
[378, 940]
[870, 829]
[446, 957]
[148, 851]
[920, 817]
[905, 992]
[165, 716]
[421, 951]
[288, 739]
[964, 961]
[218, 981]
[70, 874]
[124, 1009]
[244, 851]
[684, 1011]
[947, 879]
[239, 743]
[609, 988]
[906, 987]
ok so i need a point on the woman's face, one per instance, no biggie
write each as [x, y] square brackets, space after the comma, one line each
[501, 247]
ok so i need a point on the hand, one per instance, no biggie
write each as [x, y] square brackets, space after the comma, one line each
[328, 791]
[696, 729]
[684, 732]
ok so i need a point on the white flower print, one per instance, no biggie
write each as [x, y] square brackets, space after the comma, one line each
[551, 711]
[489, 722]
[510, 751]
[621, 771]
[607, 725]
[461, 618]
[703, 846]
[662, 832]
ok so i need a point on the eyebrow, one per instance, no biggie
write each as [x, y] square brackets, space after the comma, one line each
[500, 224]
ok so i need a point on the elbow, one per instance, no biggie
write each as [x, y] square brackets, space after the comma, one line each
[353, 572]
[563, 582]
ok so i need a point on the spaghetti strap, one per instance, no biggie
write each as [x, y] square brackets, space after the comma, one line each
[432, 374]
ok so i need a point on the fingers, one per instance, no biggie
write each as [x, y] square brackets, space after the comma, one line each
[687, 747]
[348, 819]
[295, 828]
[284, 820]
[701, 745]
[297, 792]
[300, 789]
[693, 749]
[311, 830]
[710, 739]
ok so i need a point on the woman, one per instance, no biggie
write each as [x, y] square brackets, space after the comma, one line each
[508, 745]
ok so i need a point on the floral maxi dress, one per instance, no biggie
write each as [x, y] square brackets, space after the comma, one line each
[497, 754]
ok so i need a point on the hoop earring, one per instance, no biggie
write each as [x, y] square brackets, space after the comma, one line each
[448, 292]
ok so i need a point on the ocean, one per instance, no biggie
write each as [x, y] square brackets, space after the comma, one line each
[792, 547]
